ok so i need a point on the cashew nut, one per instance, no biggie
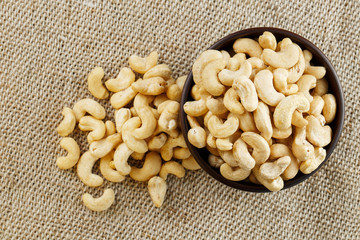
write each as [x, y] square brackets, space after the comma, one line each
[241, 57]
[220, 129]
[253, 179]
[229, 157]
[281, 150]
[95, 126]
[273, 185]
[172, 133]
[173, 92]
[296, 71]
[156, 142]
[298, 119]
[195, 108]
[301, 148]
[242, 156]
[157, 190]
[210, 79]
[161, 70]
[256, 63]
[287, 57]
[150, 86]
[313, 163]
[198, 93]
[305, 83]
[121, 156]
[107, 171]
[167, 150]
[172, 167]
[234, 174]
[101, 203]
[272, 170]
[123, 80]
[135, 144]
[142, 65]
[122, 98]
[264, 85]
[233, 64]
[232, 103]
[197, 136]
[110, 128]
[245, 88]
[268, 40]
[95, 85]
[261, 149]
[248, 46]
[181, 153]
[201, 62]
[190, 163]
[317, 134]
[148, 120]
[329, 110]
[227, 77]
[121, 116]
[216, 105]
[280, 82]
[281, 133]
[316, 106]
[67, 125]
[263, 121]
[215, 161]
[137, 156]
[102, 147]
[84, 168]
[72, 157]
[160, 99]
[169, 111]
[90, 106]
[210, 140]
[321, 88]
[247, 122]
[226, 56]
[151, 167]
[317, 71]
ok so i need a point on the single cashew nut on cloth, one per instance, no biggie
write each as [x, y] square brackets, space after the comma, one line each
[285, 109]
[104, 146]
[151, 167]
[285, 58]
[167, 151]
[95, 126]
[122, 81]
[280, 150]
[298, 119]
[121, 116]
[101, 203]
[107, 171]
[301, 148]
[215, 161]
[234, 174]
[268, 40]
[247, 122]
[172, 167]
[72, 157]
[157, 190]
[67, 125]
[89, 106]
[121, 157]
[95, 85]
[329, 110]
[135, 144]
[248, 46]
[84, 170]
[220, 129]
[272, 170]
[313, 163]
[227, 76]
[190, 163]
[169, 111]
[150, 86]
[316, 133]
[264, 85]
[232, 102]
[246, 90]
[156, 142]
[110, 128]
[305, 83]
[242, 156]
[316, 106]
[196, 108]
[142, 65]
[322, 87]
[273, 185]
[202, 61]
[148, 120]
[263, 121]
[122, 98]
[261, 149]
[280, 82]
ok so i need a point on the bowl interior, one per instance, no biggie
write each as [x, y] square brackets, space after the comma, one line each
[319, 59]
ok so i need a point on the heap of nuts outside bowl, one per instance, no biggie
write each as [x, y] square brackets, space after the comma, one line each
[262, 113]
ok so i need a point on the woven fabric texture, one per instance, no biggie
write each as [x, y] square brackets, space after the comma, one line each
[47, 48]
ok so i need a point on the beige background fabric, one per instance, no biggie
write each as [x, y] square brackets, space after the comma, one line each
[48, 47]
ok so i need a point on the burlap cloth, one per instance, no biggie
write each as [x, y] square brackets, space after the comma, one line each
[48, 47]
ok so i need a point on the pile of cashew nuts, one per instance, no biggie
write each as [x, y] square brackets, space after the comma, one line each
[145, 129]
[261, 113]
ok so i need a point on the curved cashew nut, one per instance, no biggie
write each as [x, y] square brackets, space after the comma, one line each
[148, 120]
[285, 58]
[198, 93]
[101, 203]
[216, 105]
[283, 43]
[272, 170]
[281, 133]
[268, 40]
[226, 144]
[220, 129]
[197, 136]
[317, 71]
[142, 65]
[247, 122]
[97, 128]
[296, 71]
[104, 146]
[263, 121]
[84, 167]
[261, 149]
[67, 125]
[195, 108]
[316, 106]
[156, 142]
[241, 57]
[321, 88]
[317, 134]
[298, 120]
[215, 161]
[232, 102]
[123, 80]
[172, 167]
[256, 63]
[280, 82]
[248, 46]
[172, 133]
[329, 110]
[233, 64]
[107, 171]
[284, 110]
[234, 174]
[181, 153]
[135, 144]
[110, 128]
[161, 70]
[245, 88]
[301, 148]
[90, 106]
[190, 163]
[273, 185]
[201, 62]
[313, 163]
[121, 116]
[95, 85]
[210, 140]
[160, 99]
[305, 83]
[157, 190]
[167, 150]
[150, 86]
[227, 76]
[72, 157]
[281, 150]
[173, 92]
[169, 111]
[121, 156]
[209, 76]
[122, 98]
[228, 157]
[242, 156]
[264, 85]
[151, 167]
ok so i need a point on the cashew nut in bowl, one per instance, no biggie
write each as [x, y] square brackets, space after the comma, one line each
[242, 156]
[148, 120]
[157, 190]
[313, 163]
[84, 168]
[227, 76]
[220, 129]
[226, 144]
[181, 153]
[248, 46]
[156, 142]
[110, 128]
[202, 61]
[287, 57]
[90, 106]
[232, 103]
[198, 93]
[264, 85]
[273, 185]
[72, 157]
[298, 119]
[296, 71]
[316, 106]
[329, 110]
[167, 150]
[234, 174]
[121, 116]
[102, 147]
[121, 156]
[209, 76]
[305, 83]
[197, 137]
[215, 161]
[280, 82]
[95, 85]
[253, 179]
[285, 109]
[261, 149]
[95, 126]
[195, 108]
[317, 134]
[233, 64]
[150, 86]
[241, 57]
[247, 122]
[226, 56]
[107, 171]
[67, 125]
[172, 167]
[281, 133]
[272, 170]
[101, 203]
[283, 43]
[317, 71]
[280, 150]
[301, 148]
[135, 144]
[321, 88]
[229, 158]
[169, 111]
[142, 65]
[246, 90]
[161, 70]
[263, 121]
[151, 167]
[190, 163]
[123, 80]
[210, 140]
[216, 105]
[268, 40]
[122, 98]
[256, 63]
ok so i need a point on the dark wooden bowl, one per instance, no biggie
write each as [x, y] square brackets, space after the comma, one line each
[319, 59]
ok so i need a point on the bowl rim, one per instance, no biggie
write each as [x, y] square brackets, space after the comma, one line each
[340, 108]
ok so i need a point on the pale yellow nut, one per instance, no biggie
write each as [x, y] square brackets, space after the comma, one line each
[283, 43]
[101, 203]
[135, 144]
[272, 170]
[148, 120]
[313, 163]
[285, 58]
[322, 87]
[172, 133]
[151, 167]
[202, 61]
[329, 110]
[150, 86]
[198, 93]
[220, 129]
[196, 108]
[110, 128]
[157, 190]
[160, 99]
[227, 76]
[122, 98]
[246, 90]
[216, 105]
[167, 150]
[316, 106]
[207, 116]
[241, 57]
[273, 185]
[226, 56]
[197, 137]
[210, 80]
[161, 70]
[234, 174]
[224, 144]
[84, 170]
[121, 116]
[263, 121]
[180, 81]
[95, 126]
[296, 71]
[67, 125]
[268, 40]
[247, 122]
[233, 64]
[121, 156]
[280, 150]
[156, 142]
[242, 156]
[95, 85]
[181, 153]
[264, 85]
[281, 133]
[248, 46]
[137, 156]
[317, 71]
[261, 149]
[256, 63]
[89, 106]
[190, 163]
[232, 103]
[107, 171]
[305, 84]
[142, 65]
[286, 141]
[173, 92]
[122, 81]
[229, 157]
[73, 153]
[280, 82]
[301, 148]
[317, 134]
[215, 161]
[172, 167]
[169, 111]
[104, 146]
[298, 119]
[211, 140]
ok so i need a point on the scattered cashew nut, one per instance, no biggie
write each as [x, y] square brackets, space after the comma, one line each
[67, 125]
[95, 85]
[72, 157]
[101, 203]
